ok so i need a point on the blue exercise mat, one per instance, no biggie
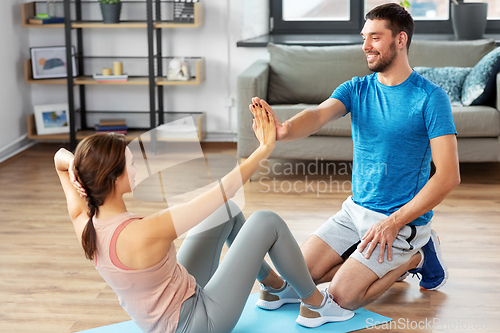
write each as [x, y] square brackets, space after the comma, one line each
[256, 320]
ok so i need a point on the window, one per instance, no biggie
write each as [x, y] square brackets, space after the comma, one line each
[316, 10]
[347, 16]
[419, 9]
[493, 8]
[315, 16]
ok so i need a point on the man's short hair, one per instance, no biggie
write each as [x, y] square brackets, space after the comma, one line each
[397, 17]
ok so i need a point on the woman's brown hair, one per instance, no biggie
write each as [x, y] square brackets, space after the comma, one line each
[99, 161]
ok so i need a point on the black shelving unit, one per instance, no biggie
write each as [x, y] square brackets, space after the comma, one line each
[153, 15]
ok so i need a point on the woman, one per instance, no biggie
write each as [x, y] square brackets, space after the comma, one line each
[136, 255]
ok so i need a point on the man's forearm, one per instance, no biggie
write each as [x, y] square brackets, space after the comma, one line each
[433, 193]
[303, 124]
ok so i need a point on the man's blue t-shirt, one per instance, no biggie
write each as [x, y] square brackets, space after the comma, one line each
[391, 129]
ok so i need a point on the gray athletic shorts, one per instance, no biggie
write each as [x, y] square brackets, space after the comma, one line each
[343, 232]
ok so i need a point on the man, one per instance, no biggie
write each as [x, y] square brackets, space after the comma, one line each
[400, 121]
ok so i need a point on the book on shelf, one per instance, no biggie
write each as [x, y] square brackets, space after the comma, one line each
[118, 126]
[48, 20]
[100, 128]
[112, 122]
[116, 132]
[108, 78]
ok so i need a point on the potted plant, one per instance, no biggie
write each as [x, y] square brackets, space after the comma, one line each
[111, 10]
[468, 19]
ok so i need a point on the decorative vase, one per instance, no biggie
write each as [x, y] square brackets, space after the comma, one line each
[111, 12]
[469, 20]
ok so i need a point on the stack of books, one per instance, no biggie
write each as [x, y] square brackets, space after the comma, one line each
[118, 126]
[184, 11]
[45, 19]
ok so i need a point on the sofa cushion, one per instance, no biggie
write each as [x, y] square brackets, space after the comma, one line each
[310, 74]
[449, 53]
[470, 121]
[479, 86]
[476, 121]
[451, 79]
[340, 127]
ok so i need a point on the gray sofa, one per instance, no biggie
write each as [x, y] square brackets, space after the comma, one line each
[299, 77]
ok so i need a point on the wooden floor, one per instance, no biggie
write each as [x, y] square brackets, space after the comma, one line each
[46, 285]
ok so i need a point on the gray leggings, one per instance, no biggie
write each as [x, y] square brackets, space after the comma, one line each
[222, 292]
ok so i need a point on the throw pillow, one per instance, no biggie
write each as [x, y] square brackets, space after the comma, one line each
[450, 78]
[479, 86]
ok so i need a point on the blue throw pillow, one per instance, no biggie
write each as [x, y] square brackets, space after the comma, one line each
[479, 86]
[450, 78]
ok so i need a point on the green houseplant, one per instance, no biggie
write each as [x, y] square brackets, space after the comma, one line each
[111, 10]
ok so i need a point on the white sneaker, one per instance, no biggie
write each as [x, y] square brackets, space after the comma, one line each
[329, 311]
[272, 299]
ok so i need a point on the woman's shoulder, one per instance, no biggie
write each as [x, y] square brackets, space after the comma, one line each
[144, 241]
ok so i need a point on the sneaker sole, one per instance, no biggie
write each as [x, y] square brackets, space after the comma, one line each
[267, 305]
[316, 322]
[435, 239]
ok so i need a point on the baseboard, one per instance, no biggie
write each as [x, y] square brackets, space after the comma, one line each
[16, 147]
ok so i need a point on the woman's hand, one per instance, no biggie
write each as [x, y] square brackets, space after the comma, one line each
[71, 171]
[263, 126]
[281, 129]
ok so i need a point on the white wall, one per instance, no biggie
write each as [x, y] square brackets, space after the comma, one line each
[15, 98]
[226, 22]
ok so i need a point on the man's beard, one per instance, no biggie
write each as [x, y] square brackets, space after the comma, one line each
[384, 62]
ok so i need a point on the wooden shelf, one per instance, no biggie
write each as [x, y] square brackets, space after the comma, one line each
[133, 81]
[133, 25]
[87, 80]
[32, 135]
[131, 135]
[28, 11]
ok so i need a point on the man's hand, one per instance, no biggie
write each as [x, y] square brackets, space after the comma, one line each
[383, 232]
[281, 129]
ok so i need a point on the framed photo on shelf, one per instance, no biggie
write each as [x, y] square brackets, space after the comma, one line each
[50, 62]
[52, 118]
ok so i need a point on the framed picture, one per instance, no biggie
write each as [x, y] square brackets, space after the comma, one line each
[52, 118]
[50, 62]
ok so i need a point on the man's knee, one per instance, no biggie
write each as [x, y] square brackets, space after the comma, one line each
[345, 297]
[350, 286]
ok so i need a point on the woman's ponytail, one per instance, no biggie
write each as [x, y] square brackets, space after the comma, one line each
[89, 235]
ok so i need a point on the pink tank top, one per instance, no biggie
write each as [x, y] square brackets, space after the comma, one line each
[151, 296]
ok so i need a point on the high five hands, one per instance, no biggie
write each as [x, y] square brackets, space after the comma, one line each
[281, 129]
[263, 125]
